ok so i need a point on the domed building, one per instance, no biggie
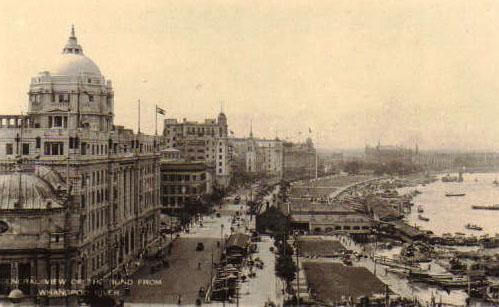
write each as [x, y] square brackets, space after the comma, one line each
[79, 196]
[32, 223]
[72, 94]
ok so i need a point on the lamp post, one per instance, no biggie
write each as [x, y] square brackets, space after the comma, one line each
[375, 231]
[222, 236]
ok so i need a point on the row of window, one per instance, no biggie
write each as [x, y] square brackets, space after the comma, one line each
[62, 98]
[172, 177]
[95, 197]
[96, 221]
[179, 189]
[99, 261]
[329, 229]
[57, 148]
[173, 201]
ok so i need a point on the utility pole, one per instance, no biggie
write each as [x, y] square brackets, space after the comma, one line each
[375, 248]
[297, 276]
[237, 292]
[211, 271]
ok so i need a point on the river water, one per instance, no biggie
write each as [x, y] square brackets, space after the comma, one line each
[451, 214]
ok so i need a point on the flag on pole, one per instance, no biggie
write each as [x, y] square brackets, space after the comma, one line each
[309, 130]
[160, 111]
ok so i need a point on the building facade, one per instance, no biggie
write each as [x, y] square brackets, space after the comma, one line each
[299, 159]
[181, 180]
[259, 155]
[202, 142]
[89, 191]
[387, 154]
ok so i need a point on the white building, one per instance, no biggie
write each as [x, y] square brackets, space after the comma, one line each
[259, 155]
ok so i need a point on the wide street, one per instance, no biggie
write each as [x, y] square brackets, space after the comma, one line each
[190, 269]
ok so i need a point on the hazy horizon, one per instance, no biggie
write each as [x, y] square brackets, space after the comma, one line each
[352, 72]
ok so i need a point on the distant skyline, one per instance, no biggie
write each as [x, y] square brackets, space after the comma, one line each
[352, 72]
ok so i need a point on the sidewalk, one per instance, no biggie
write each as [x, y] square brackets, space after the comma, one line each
[265, 286]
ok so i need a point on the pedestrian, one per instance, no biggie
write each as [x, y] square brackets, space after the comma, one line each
[199, 265]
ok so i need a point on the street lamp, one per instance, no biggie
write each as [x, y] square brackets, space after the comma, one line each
[222, 236]
[375, 232]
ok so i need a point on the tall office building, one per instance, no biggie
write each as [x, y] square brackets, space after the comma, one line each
[202, 142]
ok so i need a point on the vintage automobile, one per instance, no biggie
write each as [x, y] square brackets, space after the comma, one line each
[200, 246]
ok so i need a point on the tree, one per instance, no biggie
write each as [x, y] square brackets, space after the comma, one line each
[285, 268]
[217, 195]
[353, 167]
[192, 207]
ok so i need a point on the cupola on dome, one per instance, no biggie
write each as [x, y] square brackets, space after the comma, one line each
[73, 62]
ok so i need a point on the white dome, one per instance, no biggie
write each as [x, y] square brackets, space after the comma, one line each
[71, 64]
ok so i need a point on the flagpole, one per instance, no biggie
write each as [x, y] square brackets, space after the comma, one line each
[316, 162]
[139, 116]
[156, 121]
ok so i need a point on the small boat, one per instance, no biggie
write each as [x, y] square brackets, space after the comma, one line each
[420, 209]
[492, 293]
[473, 227]
[454, 194]
[423, 218]
[481, 207]
[489, 242]
[449, 178]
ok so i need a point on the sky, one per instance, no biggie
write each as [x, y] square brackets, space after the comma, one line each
[351, 72]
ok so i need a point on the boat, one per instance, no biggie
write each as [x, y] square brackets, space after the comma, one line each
[423, 218]
[454, 194]
[473, 227]
[492, 293]
[490, 243]
[485, 207]
[449, 178]
[446, 280]
[420, 209]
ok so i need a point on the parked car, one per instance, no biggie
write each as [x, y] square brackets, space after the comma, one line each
[200, 246]
[202, 291]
